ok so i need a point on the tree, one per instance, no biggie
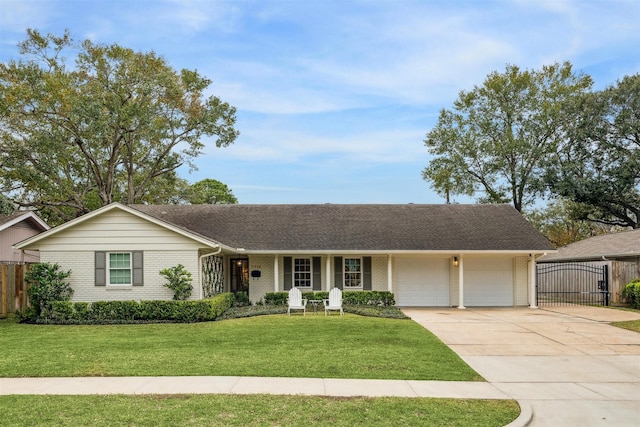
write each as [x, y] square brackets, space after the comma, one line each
[107, 128]
[6, 206]
[498, 137]
[599, 166]
[167, 189]
[210, 191]
[560, 222]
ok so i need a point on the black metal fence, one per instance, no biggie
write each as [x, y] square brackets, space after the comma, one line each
[572, 283]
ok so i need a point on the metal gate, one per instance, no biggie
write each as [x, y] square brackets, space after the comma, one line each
[572, 283]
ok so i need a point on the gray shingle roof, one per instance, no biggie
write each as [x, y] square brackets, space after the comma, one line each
[616, 245]
[357, 227]
[29, 217]
[6, 218]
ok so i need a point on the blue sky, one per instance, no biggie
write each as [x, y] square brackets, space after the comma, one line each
[335, 97]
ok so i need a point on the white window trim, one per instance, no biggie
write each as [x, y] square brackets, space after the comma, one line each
[108, 272]
[293, 273]
[344, 273]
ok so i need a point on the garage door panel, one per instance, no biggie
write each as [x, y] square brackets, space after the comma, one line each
[488, 282]
[423, 282]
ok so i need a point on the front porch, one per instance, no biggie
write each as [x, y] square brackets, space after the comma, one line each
[446, 280]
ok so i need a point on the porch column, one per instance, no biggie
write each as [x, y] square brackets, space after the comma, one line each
[276, 274]
[327, 272]
[533, 303]
[390, 273]
[461, 282]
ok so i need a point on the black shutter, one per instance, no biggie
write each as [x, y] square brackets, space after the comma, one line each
[137, 269]
[317, 273]
[366, 273]
[338, 274]
[100, 269]
[288, 277]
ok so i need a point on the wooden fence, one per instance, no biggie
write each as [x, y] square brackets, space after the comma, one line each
[623, 272]
[13, 292]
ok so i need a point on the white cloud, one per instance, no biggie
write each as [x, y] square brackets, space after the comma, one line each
[285, 146]
[18, 15]
[198, 15]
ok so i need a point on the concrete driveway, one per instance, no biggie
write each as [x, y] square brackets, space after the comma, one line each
[568, 363]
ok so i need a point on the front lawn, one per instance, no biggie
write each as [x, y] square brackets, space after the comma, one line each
[632, 325]
[347, 346]
[252, 410]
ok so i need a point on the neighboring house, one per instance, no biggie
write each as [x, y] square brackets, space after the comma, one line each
[18, 226]
[620, 252]
[427, 255]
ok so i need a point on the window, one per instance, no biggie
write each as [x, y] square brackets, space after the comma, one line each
[120, 268]
[302, 272]
[353, 272]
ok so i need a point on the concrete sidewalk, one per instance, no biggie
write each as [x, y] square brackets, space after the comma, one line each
[250, 385]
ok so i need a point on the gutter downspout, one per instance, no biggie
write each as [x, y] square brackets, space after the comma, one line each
[200, 268]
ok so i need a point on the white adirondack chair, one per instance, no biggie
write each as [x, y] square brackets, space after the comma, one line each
[296, 302]
[334, 302]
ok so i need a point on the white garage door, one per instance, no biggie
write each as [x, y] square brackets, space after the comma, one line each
[422, 282]
[488, 282]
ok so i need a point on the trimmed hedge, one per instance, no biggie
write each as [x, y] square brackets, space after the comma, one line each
[109, 312]
[631, 293]
[375, 298]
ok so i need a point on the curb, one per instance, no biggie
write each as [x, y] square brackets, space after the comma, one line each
[525, 417]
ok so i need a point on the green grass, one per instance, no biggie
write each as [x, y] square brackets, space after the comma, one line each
[251, 410]
[632, 325]
[347, 346]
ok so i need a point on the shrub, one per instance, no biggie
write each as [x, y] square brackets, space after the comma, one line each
[375, 298]
[220, 303]
[276, 298]
[157, 310]
[46, 285]
[62, 311]
[28, 315]
[107, 312]
[179, 281]
[115, 310]
[241, 299]
[631, 293]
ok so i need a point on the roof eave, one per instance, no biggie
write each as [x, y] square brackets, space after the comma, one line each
[28, 215]
[391, 252]
[603, 257]
[34, 239]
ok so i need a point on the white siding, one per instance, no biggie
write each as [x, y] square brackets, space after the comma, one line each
[117, 230]
[74, 249]
[521, 280]
[81, 264]
[379, 273]
[259, 286]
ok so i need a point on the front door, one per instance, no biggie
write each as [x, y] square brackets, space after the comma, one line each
[239, 275]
